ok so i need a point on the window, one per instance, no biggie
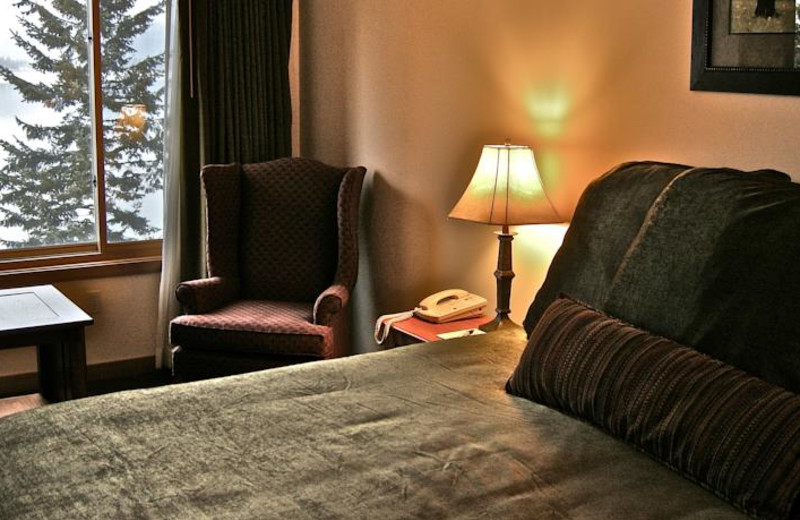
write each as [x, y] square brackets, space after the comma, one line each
[81, 128]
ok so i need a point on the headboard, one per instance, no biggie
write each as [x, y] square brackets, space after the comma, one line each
[709, 257]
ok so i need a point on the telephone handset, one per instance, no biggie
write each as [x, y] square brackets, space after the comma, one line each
[450, 305]
[441, 307]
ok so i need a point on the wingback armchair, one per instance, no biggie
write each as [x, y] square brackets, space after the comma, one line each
[282, 260]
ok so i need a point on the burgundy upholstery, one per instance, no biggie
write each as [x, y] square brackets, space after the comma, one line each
[255, 326]
[222, 191]
[207, 294]
[292, 205]
[282, 259]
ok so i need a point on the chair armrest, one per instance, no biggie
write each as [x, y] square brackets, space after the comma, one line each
[205, 295]
[332, 300]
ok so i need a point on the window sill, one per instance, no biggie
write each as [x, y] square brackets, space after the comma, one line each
[79, 271]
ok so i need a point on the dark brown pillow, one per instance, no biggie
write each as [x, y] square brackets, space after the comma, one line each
[730, 432]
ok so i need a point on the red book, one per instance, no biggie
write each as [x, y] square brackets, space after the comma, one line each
[426, 331]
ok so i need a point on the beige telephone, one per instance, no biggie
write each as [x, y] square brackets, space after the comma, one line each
[450, 305]
[442, 307]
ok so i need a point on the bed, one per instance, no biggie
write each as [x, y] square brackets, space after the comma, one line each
[706, 257]
[424, 431]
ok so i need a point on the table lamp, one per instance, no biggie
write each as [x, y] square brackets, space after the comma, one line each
[506, 190]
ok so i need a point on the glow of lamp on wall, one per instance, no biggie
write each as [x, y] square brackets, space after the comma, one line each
[549, 107]
[132, 120]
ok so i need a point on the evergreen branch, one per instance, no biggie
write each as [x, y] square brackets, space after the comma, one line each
[38, 92]
[45, 179]
[39, 60]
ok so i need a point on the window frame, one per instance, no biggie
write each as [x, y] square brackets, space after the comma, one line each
[100, 258]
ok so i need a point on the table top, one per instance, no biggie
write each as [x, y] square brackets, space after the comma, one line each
[38, 308]
[426, 331]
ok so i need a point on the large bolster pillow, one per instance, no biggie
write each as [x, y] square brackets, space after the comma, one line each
[730, 432]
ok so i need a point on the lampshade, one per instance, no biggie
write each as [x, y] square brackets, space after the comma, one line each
[506, 190]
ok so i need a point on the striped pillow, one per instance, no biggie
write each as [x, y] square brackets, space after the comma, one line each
[723, 429]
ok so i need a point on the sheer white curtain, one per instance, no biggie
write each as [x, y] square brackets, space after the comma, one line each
[168, 306]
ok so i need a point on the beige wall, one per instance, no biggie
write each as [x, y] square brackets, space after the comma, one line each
[124, 309]
[412, 89]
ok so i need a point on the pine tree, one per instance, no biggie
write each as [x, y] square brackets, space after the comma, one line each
[46, 185]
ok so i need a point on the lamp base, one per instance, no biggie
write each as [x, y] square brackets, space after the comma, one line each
[500, 322]
[504, 274]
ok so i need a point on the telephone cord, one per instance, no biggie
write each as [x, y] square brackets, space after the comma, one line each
[383, 326]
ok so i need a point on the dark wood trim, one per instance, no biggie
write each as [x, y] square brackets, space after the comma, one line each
[704, 76]
[120, 369]
[81, 271]
[96, 70]
[29, 253]
[61, 256]
[21, 384]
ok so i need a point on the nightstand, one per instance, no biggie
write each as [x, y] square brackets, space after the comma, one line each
[415, 330]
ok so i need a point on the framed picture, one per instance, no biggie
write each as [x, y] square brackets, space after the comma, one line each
[746, 46]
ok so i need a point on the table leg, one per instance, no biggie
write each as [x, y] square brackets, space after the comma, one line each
[76, 368]
[50, 358]
[62, 367]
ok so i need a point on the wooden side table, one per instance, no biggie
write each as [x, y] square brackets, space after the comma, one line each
[415, 330]
[44, 317]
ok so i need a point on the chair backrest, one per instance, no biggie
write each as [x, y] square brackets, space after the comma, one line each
[284, 243]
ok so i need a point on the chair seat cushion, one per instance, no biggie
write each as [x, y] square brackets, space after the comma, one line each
[255, 326]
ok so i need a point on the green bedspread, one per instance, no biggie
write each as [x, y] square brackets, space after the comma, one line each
[424, 431]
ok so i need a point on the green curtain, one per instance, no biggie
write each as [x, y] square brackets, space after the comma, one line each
[229, 101]
[237, 102]
[190, 254]
[242, 59]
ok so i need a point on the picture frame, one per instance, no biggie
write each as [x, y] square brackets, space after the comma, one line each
[724, 60]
